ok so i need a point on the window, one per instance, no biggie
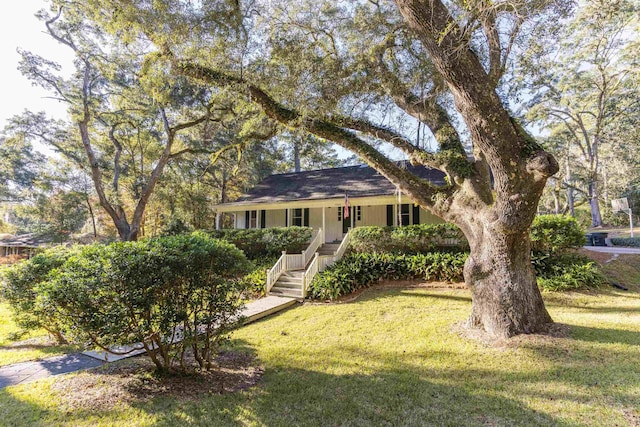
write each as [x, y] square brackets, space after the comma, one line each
[297, 217]
[404, 214]
[358, 213]
[253, 219]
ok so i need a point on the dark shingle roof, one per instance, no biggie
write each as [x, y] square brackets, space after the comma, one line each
[356, 181]
[30, 240]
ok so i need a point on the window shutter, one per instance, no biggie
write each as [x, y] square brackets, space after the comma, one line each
[246, 219]
[263, 218]
[286, 217]
[416, 214]
[389, 215]
[306, 217]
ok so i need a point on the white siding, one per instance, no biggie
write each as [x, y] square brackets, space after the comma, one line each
[275, 218]
[429, 218]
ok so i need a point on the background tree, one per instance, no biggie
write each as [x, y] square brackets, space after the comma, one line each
[584, 90]
[19, 166]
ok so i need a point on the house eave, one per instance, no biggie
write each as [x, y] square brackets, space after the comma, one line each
[311, 203]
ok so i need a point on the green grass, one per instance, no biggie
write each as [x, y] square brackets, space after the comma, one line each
[391, 358]
[16, 346]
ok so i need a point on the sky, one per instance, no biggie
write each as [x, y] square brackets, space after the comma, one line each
[20, 28]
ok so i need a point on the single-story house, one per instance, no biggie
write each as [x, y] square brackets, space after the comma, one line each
[317, 199]
[22, 245]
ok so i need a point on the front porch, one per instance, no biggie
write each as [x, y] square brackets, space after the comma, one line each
[328, 215]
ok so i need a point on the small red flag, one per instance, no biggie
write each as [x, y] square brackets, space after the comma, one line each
[346, 207]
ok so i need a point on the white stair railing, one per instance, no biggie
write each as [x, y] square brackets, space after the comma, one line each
[289, 262]
[320, 263]
[309, 274]
[276, 271]
[343, 247]
[316, 242]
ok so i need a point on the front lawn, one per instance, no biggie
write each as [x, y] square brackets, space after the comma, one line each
[17, 346]
[392, 358]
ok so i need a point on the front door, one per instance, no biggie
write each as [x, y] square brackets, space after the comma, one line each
[346, 222]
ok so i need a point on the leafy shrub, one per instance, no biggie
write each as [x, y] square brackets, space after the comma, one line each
[20, 289]
[266, 242]
[256, 280]
[567, 271]
[358, 270]
[555, 233]
[170, 294]
[626, 241]
[408, 239]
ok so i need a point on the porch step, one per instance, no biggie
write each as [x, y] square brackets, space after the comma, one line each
[328, 248]
[286, 292]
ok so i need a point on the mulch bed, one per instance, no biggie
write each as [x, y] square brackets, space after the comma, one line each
[134, 380]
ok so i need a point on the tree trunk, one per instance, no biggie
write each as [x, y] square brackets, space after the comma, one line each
[596, 218]
[296, 156]
[506, 298]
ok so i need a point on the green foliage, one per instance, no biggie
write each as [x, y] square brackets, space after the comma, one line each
[408, 239]
[567, 271]
[626, 241]
[557, 269]
[266, 242]
[20, 288]
[256, 280]
[154, 292]
[359, 270]
[556, 233]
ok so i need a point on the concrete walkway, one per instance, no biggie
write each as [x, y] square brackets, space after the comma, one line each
[26, 372]
[614, 250]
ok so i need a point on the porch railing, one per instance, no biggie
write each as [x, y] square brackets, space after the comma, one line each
[316, 242]
[309, 274]
[320, 263]
[276, 271]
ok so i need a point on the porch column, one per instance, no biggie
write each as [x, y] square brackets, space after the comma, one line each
[324, 225]
[218, 220]
[352, 215]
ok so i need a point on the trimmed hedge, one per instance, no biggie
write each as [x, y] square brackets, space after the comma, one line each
[418, 238]
[266, 242]
[360, 270]
[556, 233]
[633, 242]
[170, 293]
[20, 289]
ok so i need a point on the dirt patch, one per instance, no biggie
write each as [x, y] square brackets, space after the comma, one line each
[392, 284]
[133, 380]
[554, 331]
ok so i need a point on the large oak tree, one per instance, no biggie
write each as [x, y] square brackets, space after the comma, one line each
[341, 70]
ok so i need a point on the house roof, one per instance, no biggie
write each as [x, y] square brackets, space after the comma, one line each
[30, 240]
[355, 181]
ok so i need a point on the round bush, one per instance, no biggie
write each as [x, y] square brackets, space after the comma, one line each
[554, 233]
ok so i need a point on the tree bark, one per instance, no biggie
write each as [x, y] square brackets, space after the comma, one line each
[596, 218]
[505, 295]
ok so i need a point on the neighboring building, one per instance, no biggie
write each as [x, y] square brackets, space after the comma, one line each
[23, 245]
[317, 199]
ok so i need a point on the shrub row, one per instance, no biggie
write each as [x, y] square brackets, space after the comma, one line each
[266, 242]
[359, 270]
[170, 293]
[626, 241]
[408, 239]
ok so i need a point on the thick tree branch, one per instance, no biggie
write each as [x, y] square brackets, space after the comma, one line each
[417, 188]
